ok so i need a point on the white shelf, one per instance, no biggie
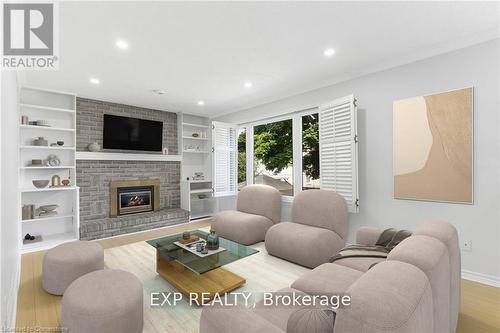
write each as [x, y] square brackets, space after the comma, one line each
[195, 151]
[197, 181]
[48, 147]
[47, 108]
[106, 156]
[50, 218]
[48, 242]
[204, 190]
[193, 138]
[202, 200]
[46, 167]
[195, 125]
[52, 91]
[47, 128]
[46, 189]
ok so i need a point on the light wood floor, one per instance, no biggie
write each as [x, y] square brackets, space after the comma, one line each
[480, 308]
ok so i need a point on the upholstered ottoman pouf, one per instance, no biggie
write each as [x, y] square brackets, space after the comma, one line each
[106, 301]
[65, 263]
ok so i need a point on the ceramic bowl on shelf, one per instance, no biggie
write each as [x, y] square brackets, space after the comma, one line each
[48, 208]
[40, 183]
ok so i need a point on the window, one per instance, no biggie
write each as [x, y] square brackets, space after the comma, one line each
[310, 152]
[324, 155]
[273, 155]
[242, 158]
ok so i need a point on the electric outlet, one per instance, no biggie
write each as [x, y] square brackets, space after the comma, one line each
[467, 245]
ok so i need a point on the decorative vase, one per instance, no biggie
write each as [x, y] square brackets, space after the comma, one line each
[94, 147]
[212, 240]
[40, 141]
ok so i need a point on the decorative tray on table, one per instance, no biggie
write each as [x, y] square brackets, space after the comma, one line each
[193, 242]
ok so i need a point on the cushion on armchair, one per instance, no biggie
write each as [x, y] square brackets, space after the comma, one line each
[302, 244]
[241, 227]
[258, 208]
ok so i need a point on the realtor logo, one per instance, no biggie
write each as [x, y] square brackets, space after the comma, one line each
[29, 36]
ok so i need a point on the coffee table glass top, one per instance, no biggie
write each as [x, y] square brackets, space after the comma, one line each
[169, 251]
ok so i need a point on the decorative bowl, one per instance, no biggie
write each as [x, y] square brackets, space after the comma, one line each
[195, 135]
[40, 183]
[48, 208]
[60, 143]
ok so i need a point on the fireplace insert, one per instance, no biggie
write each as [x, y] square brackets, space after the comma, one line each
[135, 199]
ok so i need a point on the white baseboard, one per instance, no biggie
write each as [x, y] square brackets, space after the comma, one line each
[489, 280]
[11, 303]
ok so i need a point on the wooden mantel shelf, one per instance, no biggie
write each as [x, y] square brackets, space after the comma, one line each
[106, 156]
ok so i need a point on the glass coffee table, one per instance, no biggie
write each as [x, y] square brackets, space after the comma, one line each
[190, 273]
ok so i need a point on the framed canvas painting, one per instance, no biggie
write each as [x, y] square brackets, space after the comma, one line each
[433, 147]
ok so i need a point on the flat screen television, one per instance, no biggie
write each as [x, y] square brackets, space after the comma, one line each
[132, 134]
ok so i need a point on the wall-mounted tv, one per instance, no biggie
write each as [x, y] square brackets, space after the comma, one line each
[132, 134]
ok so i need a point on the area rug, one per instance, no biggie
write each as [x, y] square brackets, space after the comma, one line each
[262, 271]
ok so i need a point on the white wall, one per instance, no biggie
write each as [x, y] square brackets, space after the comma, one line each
[9, 199]
[476, 66]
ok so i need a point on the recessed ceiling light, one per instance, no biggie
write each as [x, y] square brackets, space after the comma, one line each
[248, 84]
[329, 52]
[201, 103]
[93, 80]
[159, 92]
[121, 44]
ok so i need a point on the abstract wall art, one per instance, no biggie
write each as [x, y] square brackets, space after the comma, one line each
[433, 147]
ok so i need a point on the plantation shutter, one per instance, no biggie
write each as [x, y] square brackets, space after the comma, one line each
[225, 159]
[338, 149]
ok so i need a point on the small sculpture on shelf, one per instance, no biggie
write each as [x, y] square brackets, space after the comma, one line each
[40, 141]
[28, 212]
[53, 160]
[57, 144]
[94, 147]
[29, 237]
[56, 181]
[47, 210]
[199, 176]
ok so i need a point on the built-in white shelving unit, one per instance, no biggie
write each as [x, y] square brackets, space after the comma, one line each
[58, 110]
[195, 145]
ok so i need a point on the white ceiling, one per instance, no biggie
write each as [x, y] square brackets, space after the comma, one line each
[206, 51]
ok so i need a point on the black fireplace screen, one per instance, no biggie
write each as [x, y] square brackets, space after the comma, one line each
[135, 200]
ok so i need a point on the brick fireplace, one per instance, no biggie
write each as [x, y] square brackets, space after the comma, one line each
[99, 216]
